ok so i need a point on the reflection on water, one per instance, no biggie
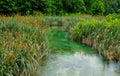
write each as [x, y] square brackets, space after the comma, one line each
[78, 64]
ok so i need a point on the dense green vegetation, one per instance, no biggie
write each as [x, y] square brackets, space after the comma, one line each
[103, 35]
[59, 7]
[22, 45]
[25, 40]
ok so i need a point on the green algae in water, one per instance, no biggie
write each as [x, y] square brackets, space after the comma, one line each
[68, 58]
[59, 42]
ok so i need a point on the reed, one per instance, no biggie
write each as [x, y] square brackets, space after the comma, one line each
[22, 45]
[103, 35]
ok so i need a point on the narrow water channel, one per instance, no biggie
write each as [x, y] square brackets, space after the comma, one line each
[72, 59]
[78, 64]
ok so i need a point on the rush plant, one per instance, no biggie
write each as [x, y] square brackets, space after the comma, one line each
[103, 35]
[22, 45]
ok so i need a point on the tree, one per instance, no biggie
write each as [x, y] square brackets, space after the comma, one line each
[7, 7]
[54, 7]
[111, 6]
[98, 7]
[74, 6]
[88, 4]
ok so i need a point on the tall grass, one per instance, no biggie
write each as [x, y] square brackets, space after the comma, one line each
[103, 35]
[22, 45]
[23, 39]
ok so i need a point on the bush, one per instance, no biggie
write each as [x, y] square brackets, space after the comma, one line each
[7, 7]
[98, 7]
[59, 7]
[111, 17]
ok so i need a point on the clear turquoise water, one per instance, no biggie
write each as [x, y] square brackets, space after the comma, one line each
[68, 58]
[78, 64]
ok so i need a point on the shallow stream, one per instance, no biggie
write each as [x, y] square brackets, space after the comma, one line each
[72, 59]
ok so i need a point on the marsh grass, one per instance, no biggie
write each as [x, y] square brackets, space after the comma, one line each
[103, 35]
[25, 40]
[22, 45]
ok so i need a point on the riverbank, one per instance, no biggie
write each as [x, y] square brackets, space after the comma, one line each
[22, 45]
[69, 58]
[26, 40]
[103, 35]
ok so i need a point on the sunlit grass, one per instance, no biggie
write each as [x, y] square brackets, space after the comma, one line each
[22, 45]
[24, 39]
[103, 35]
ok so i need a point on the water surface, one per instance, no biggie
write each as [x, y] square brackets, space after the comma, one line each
[68, 58]
[78, 64]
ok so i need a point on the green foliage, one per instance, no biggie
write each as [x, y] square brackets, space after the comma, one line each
[23, 7]
[74, 6]
[54, 7]
[95, 6]
[112, 6]
[111, 17]
[88, 4]
[22, 46]
[7, 7]
[98, 7]
[102, 35]
[59, 7]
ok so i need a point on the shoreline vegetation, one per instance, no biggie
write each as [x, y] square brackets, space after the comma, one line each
[103, 35]
[23, 40]
[22, 45]
[26, 24]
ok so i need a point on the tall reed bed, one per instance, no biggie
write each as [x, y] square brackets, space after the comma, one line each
[103, 35]
[22, 45]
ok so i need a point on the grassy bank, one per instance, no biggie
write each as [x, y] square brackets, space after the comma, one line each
[103, 35]
[23, 39]
[22, 45]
